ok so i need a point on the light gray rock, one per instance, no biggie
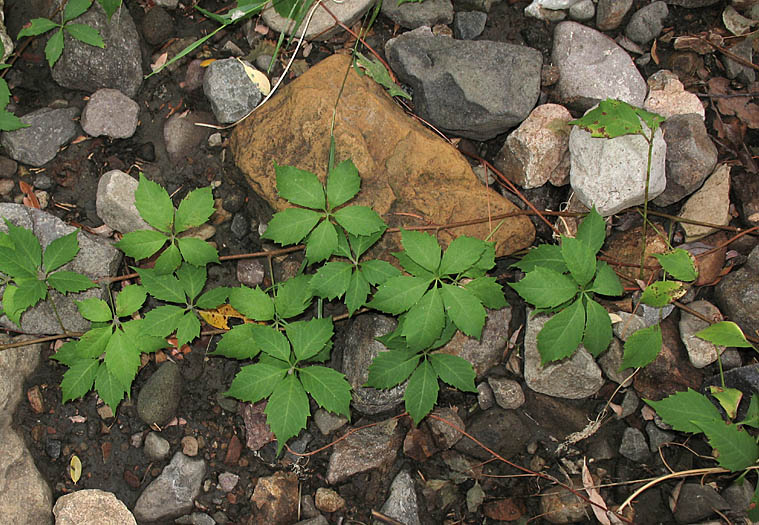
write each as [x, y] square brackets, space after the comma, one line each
[156, 447]
[583, 10]
[610, 13]
[634, 446]
[322, 26]
[507, 392]
[417, 14]
[710, 204]
[629, 324]
[229, 90]
[667, 96]
[610, 174]
[328, 422]
[25, 497]
[173, 492]
[401, 502]
[111, 113]
[158, 398]
[647, 22]
[737, 294]
[4, 37]
[48, 130]
[196, 518]
[441, 70]
[168, 4]
[366, 449]
[96, 258]
[468, 25]
[629, 404]
[611, 364]
[115, 202]
[118, 65]
[91, 507]
[485, 396]
[691, 157]
[444, 434]
[700, 352]
[592, 67]
[182, 136]
[577, 377]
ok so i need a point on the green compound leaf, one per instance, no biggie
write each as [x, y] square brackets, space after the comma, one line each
[195, 209]
[75, 8]
[421, 392]
[592, 231]
[399, 294]
[652, 120]
[423, 249]
[92, 344]
[10, 122]
[293, 297]
[321, 243]
[424, 321]
[580, 260]
[642, 347]
[343, 183]
[300, 187]
[309, 337]
[376, 71]
[729, 399]
[54, 47]
[253, 303]
[60, 251]
[69, 282]
[545, 288]
[168, 261]
[546, 256]
[679, 264]
[287, 410]
[122, 357]
[130, 299]
[454, 370]
[598, 332]
[188, 329]
[213, 297]
[271, 341]
[10, 307]
[5, 92]
[255, 382]
[154, 204]
[464, 309]
[411, 267]
[610, 119]
[110, 7]
[87, 34]
[360, 220]
[488, 291]
[752, 415]
[26, 244]
[562, 334]
[68, 353]
[461, 254]
[724, 333]
[37, 26]
[484, 263]
[328, 387]
[108, 387]
[164, 287]
[360, 243]
[95, 310]
[357, 292]
[391, 368]
[192, 278]
[291, 226]
[238, 343]
[683, 410]
[606, 281]
[378, 272]
[141, 244]
[737, 449]
[163, 320]
[78, 379]
[14, 264]
[331, 280]
[661, 293]
[197, 251]
[343, 247]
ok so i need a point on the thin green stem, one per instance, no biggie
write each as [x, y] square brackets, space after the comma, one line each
[645, 200]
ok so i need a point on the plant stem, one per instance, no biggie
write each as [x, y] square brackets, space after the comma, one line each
[645, 200]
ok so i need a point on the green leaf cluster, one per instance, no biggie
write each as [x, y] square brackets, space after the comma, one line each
[156, 208]
[377, 71]
[319, 209]
[72, 10]
[33, 272]
[107, 356]
[565, 279]
[615, 118]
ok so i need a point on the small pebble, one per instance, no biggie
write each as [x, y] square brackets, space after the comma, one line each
[250, 272]
[6, 186]
[53, 448]
[190, 446]
[485, 396]
[136, 440]
[215, 140]
[42, 181]
[131, 479]
[228, 481]
[240, 226]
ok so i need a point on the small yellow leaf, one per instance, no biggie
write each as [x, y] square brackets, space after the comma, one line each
[219, 317]
[207, 62]
[75, 468]
[257, 77]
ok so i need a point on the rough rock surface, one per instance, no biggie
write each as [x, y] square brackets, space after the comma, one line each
[440, 70]
[90, 507]
[366, 449]
[667, 96]
[709, 204]
[115, 202]
[404, 167]
[276, 500]
[322, 26]
[48, 130]
[401, 503]
[172, 493]
[490, 427]
[647, 22]
[700, 352]
[159, 397]
[110, 112]
[229, 89]
[737, 294]
[610, 13]
[413, 14]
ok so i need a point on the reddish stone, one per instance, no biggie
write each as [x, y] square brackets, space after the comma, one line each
[35, 399]
[506, 509]
[131, 479]
[418, 444]
[106, 448]
[233, 451]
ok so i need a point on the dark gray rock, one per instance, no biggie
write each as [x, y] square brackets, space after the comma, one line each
[111, 113]
[48, 130]
[692, 4]
[737, 294]
[647, 22]
[240, 225]
[182, 136]
[173, 492]
[634, 446]
[118, 65]
[691, 157]
[697, 502]
[490, 427]
[609, 13]
[401, 502]
[468, 25]
[657, 437]
[158, 398]
[442, 70]
[744, 49]
[229, 90]
[475, 5]
[739, 495]
[42, 181]
[157, 26]
[96, 258]
[417, 14]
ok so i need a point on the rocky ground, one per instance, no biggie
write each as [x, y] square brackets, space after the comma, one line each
[500, 80]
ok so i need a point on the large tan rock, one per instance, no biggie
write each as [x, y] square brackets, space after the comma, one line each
[409, 175]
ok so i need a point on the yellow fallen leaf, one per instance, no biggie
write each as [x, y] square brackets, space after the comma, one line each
[257, 77]
[207, 62]
[219, 317]
[75, 468]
